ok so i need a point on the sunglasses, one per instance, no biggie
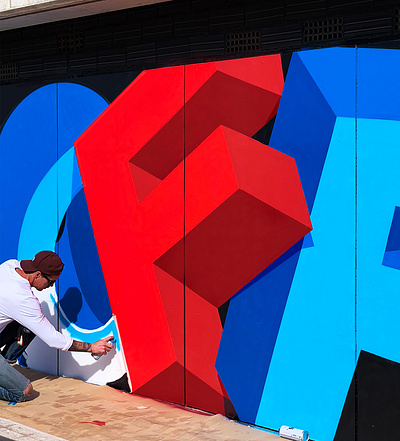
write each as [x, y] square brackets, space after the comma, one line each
[49, 281]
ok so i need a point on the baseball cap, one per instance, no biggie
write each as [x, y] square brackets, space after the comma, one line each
[46, 262]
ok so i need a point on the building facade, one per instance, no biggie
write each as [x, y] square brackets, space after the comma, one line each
[221, 181]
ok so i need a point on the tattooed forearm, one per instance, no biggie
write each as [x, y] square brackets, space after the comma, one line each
[80, 346]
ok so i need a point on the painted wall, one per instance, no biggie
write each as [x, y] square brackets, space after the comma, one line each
[242, 227]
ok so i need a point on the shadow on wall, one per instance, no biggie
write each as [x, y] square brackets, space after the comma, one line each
[71, 303]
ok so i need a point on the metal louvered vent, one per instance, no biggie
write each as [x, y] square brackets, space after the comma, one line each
[243, 42]
[8, 71]
[73, 42]
[397, 19]
[323, 30]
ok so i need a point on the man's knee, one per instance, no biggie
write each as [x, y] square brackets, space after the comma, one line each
[29, 389]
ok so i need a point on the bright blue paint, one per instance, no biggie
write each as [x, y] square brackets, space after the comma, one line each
[78, 107]
[41, 223]
[250, 331]
[314, 358]
[378, 286]
[378, 85]
[27, 152]
[84, 297]
[66, 190]
[39, 227]
[309, 126]
[90, 336]
[334, 72]
[68, 289]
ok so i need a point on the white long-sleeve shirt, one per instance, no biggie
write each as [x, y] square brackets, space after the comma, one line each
[18, 302]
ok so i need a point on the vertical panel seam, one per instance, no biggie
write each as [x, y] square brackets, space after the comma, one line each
[356, 248]
[184, 235]
[56, 244]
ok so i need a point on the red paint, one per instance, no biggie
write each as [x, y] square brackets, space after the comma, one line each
[129, 235]
[244, 208]
[238, 203]
[95, 422]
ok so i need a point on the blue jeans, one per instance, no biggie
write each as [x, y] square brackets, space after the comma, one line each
[12, 383]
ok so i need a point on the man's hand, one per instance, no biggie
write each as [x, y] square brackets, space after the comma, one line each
[98, 347]
[102, 346]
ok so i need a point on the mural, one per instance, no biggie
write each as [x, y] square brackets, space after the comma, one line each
[242, 227]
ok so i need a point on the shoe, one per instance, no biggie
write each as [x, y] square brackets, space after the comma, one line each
[21, 361]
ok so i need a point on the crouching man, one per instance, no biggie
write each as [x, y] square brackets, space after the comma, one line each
[19, 304]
